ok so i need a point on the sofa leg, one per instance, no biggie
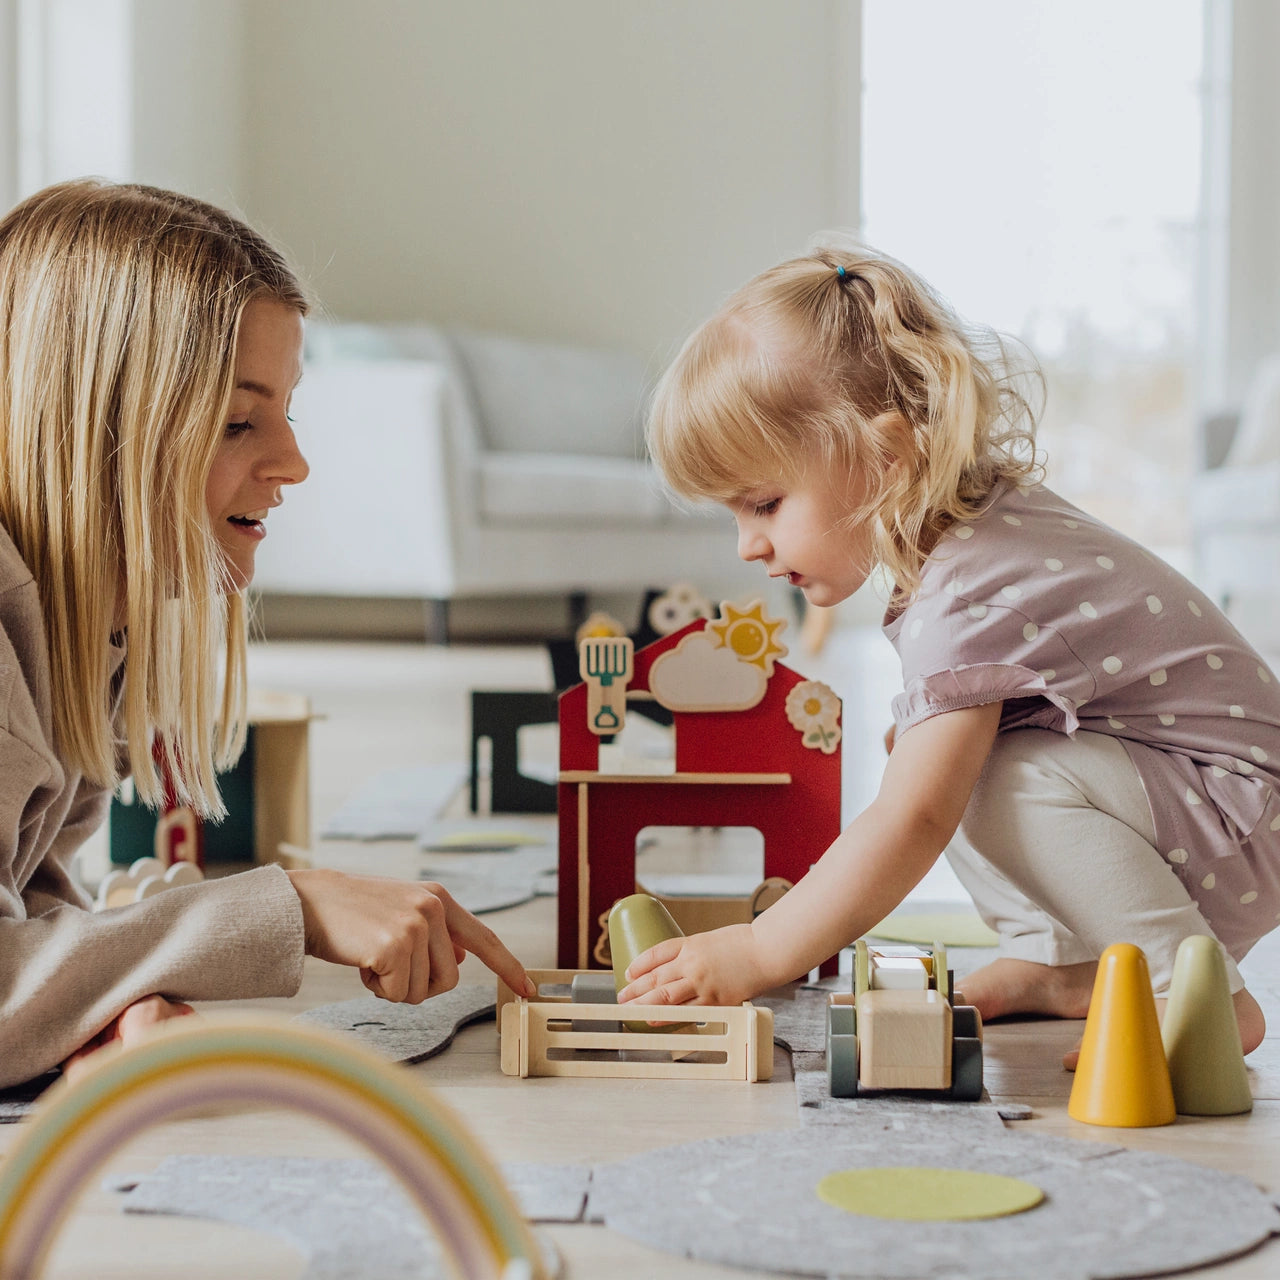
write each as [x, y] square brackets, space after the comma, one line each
[437, 621]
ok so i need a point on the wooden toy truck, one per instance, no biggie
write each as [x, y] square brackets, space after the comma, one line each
[898, 1029]
[556, 1036]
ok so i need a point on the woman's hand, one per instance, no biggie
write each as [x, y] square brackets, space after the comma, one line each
[407, 939]
[127, 1027]
[722, 967]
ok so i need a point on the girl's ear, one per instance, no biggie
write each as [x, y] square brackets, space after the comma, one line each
[894, 439]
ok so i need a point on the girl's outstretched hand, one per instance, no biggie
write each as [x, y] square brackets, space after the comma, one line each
[406, 938]
[720, 967]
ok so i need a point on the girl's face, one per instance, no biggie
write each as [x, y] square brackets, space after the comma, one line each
[799, 531]
[258, 454]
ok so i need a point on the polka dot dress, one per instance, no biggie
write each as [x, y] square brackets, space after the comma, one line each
[1072, 625]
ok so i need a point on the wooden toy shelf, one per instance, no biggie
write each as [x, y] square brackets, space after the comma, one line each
[553, 1036]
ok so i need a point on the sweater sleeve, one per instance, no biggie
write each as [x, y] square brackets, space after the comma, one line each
[66, 974]
[66, 971]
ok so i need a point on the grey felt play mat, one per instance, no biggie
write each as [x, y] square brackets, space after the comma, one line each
[749, 1201]
[406, 1032]
[349, 1219]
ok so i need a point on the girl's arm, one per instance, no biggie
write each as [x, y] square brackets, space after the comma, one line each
[862, 877]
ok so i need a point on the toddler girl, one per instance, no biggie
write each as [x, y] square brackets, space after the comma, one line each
[149, 346]
[1092, 743]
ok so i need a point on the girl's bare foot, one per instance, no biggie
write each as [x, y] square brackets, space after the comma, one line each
[1007, 986]
[1249, 1017]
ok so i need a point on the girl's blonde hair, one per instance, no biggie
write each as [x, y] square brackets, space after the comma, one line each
[865, 370]
[120, 308]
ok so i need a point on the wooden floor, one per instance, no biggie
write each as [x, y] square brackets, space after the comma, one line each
[390, 705]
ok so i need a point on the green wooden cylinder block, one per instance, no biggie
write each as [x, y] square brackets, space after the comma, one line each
[637, 923]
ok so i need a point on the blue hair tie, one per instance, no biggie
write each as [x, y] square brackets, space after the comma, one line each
[841, 272]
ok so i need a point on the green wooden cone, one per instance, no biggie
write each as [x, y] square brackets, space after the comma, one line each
[1201, 1036]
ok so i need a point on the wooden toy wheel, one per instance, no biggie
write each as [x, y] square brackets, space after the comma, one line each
[966, 1069]
[861, 967]
[965, 1022]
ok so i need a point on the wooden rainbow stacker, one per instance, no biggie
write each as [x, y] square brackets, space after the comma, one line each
[555, 1036]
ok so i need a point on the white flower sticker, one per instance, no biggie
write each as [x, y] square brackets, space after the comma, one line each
[1154, 604]
[813, 709]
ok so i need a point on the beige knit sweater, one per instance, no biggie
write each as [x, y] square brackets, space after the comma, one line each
[66, 971]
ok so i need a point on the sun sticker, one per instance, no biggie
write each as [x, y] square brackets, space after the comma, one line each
[749, 635]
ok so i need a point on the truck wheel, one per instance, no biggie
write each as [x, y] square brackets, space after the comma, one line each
[966, 1069]
[842, 1052]
[965, 1022]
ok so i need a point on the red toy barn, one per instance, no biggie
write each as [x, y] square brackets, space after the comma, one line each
[732, 768]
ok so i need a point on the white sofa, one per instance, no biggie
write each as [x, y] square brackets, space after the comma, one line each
[448, 465]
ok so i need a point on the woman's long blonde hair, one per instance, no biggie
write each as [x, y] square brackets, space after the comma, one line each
[120, 308]
[868, 370]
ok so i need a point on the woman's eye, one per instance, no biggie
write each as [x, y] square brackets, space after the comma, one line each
[236, 428]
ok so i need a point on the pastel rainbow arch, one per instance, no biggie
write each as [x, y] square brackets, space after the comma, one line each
[182, 1068]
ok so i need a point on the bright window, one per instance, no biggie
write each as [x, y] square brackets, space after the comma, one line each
[1039, 163]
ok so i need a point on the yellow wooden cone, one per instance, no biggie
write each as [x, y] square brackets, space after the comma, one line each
[1122, 1078]
[1201, 1035]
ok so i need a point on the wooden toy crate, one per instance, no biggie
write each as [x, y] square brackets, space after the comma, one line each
[553, 1036]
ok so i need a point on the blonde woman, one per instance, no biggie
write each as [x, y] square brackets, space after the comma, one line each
[150, 347]
[1103, 745]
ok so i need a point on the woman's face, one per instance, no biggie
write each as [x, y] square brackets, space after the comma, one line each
[258, 454]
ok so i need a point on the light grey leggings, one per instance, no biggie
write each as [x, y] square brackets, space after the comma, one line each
[1057, 851]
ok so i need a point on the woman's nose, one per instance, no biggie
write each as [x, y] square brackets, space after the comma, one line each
[287, 465]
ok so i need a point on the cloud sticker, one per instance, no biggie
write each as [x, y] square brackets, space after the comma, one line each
[701, 675]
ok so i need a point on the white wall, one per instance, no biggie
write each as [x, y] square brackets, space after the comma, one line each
[570, 169]
[188, 97]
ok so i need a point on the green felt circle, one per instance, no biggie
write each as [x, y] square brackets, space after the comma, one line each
[951, 928]
[927, 1195]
